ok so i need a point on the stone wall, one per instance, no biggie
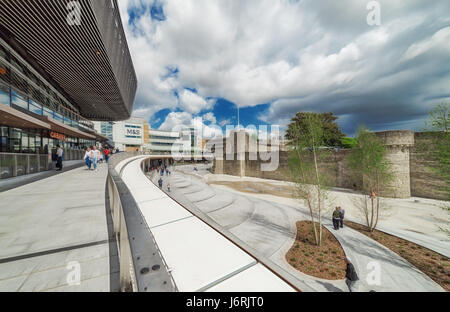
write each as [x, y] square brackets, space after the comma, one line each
[425, 182]
[410, 167]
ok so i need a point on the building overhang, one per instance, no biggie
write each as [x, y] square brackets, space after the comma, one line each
[65, 129]
[89, 61]
[14, 118]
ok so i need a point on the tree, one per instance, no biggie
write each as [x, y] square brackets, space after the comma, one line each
[332, 133]
[307, 140]
[438, 126]
[368, 159]
[349, 142]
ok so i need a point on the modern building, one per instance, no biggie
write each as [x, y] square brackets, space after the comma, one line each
[129, 135]
[162, 142]
[62, 65]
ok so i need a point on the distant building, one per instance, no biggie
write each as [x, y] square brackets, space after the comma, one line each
[128, 136]
[186, 141]
[161, 142]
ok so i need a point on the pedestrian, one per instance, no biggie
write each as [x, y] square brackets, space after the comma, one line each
[336, 218]
[107, 152]
[95, 157]
[160, 182]
[59, 154]
[341, 219]
[168, 187]
[351, 277]
[88, 158]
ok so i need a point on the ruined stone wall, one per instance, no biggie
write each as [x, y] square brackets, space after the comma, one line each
[410, 167]
[425, 182]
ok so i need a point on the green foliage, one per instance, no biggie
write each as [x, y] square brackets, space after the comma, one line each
[349, 142]
[307, 140]
[438, 125]
[331, 134]
[368, 159]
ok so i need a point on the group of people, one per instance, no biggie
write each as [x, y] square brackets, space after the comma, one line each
[163, 170]
[94, 156]
[338, 218]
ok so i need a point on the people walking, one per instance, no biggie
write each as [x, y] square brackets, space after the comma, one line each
[160, 182]
[336, 218]
[341, 219]
[59, 160]
[88, 158]
[351, 277]
[95, 157]
[168, 187]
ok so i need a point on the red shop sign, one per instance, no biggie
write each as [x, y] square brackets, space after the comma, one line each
[58, 136]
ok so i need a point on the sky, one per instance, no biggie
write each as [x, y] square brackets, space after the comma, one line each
[274, 58]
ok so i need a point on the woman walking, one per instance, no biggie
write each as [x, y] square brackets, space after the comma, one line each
[95, 157]
[88, 158]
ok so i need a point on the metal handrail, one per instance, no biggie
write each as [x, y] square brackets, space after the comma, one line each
[141, 265]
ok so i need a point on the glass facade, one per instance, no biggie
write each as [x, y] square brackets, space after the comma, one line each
[14, 140]
[107, 130]
[23, 90]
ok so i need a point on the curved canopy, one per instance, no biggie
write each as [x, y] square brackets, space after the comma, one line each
[81, 49]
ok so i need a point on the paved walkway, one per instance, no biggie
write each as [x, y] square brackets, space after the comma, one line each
[49, 227]
[269, 227]
[11, 183]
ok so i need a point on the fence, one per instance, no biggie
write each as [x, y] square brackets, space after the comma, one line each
[15, 164]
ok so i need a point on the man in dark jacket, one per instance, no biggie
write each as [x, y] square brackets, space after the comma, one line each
[351, 277]
[336, 218]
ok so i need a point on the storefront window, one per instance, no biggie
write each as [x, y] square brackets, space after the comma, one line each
[38, 143]
[14, 140]
[32, 143]
[4, 95]
[4, 139]
[19, 100]
[25, 146]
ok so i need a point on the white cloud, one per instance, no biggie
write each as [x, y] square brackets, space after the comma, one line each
[177, 121]
[209, 117]
[192, 103]
[317, 55]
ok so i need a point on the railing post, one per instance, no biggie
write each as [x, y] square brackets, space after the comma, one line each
[14, 165]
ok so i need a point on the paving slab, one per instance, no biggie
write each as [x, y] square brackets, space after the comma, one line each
[47, 224]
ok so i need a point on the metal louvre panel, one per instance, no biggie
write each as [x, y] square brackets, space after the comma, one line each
[82, 59]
